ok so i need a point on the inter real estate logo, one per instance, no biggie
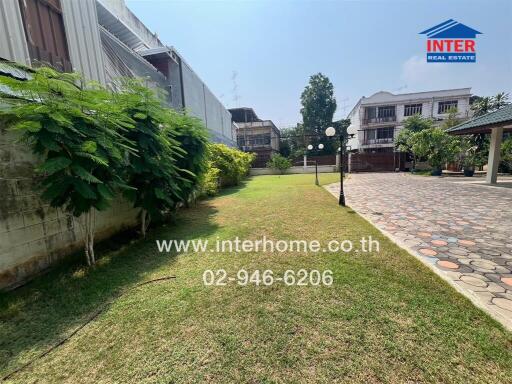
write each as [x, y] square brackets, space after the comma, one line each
[451, 42]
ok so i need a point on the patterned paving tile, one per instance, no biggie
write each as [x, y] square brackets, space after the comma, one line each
[462, 229]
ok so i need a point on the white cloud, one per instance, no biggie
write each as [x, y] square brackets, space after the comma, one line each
[422, 76]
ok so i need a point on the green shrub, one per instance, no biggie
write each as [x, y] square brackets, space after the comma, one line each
[210, 183]
[279, 163]
[233, 164]
[79, 132]
[192, 135]
[153, 172]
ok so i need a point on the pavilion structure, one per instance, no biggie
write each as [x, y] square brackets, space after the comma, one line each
[493, 123]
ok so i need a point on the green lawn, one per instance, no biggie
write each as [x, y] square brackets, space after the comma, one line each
[386, 318]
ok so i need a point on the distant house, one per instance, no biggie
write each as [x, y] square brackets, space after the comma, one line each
[377, 120]
[255, 135]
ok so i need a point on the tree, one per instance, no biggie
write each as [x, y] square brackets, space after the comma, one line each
[452, 119]
[486, 104]
[192, 136]
[279, 163]
[152, 172]
[78, 131]
[437, 146]
[405, 139]
[417, 123]
[318, 107]
[506, 154]
[293, 141]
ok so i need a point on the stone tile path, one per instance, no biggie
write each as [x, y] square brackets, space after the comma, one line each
[461, 229]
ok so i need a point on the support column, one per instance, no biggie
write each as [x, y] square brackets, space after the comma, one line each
[305, 161]
[494, 155]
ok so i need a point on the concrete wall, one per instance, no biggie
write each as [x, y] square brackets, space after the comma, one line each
[32, 234]
[293, 170]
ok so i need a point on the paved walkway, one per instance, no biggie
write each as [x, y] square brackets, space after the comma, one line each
[462, 229]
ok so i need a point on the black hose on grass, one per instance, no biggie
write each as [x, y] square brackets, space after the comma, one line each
[89, 320]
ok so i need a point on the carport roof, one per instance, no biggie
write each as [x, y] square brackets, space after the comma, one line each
[483, 124]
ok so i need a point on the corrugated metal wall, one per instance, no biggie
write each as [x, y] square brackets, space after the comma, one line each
[202, 103]
[193, 93]
[13, 45]
[82, 30]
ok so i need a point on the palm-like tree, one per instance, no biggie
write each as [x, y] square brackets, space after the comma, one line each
[482, 106]
[488, 104]
[500, 100]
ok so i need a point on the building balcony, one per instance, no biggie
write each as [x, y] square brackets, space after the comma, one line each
[387, 140]
[378, 120]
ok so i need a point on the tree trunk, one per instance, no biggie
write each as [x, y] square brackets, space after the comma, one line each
[144, 222]
[88, 228]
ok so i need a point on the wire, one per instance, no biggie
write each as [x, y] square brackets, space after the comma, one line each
[89, 320]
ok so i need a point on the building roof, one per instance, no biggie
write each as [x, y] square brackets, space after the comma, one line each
[483, 124]
[243, 115]
[388, 97]
[258, 124]
[383, 97]
[451, 29]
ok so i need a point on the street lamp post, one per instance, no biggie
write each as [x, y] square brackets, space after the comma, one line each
[310, 147]
[330, 132]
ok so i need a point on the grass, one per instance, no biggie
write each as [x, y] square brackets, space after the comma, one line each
[386, 318]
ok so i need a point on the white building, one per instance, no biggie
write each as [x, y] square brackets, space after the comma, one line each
[377, 120]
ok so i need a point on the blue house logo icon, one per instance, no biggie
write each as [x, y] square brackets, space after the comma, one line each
[451, 42]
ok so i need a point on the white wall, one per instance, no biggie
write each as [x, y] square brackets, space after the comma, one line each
[293, 170]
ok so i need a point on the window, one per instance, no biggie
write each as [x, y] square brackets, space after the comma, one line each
[379, 135]
[412, 109]
[370, 113]
[385, 133]
[45, 33]
[259, 140]
[385, 112]
[379, 114]
[445, 106]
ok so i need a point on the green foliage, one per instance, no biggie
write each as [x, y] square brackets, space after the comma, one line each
[417, 123]
[279, 163]
[152, 171]
[486, 104]
[318, 107]
[506, 155]
[293, 141]
[79, 132]
[232, 164]
[452, 119]
[192, 135]
[468, 153]
[210, 181]
[435, 145]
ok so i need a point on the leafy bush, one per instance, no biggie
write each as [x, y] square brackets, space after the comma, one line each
[233, 164]
[279, 163]
[154, 171]
[192, 136]
[79, 132]
[506, 155]
[210, 181]
[436, 146]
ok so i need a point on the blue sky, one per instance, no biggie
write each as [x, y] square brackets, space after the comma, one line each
[362, 46]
